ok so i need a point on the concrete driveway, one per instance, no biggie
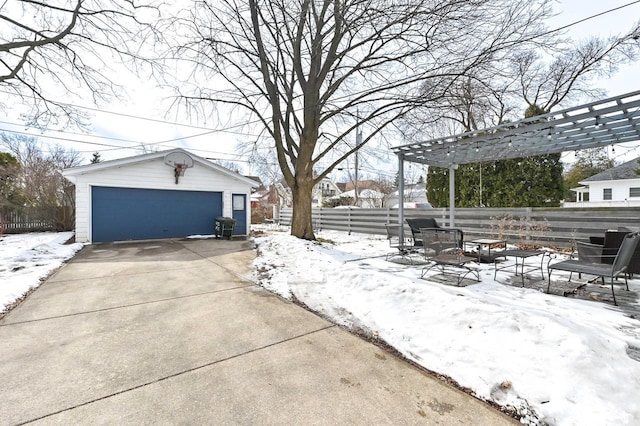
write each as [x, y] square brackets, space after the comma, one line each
[174, 332]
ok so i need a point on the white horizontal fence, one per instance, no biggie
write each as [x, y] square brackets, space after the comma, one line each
[538, 226]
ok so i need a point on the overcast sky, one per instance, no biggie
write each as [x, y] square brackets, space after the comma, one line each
[145, 100]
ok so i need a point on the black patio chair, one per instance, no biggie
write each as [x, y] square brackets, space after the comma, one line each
[402, 247]
[604, 249]
[416, 224]
[589, 267]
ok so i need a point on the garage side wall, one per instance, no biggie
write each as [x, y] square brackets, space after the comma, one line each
[152, 174]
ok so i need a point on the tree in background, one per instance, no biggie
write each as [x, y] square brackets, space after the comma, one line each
[490, 96]
[230, 165]
[339, 201]
[312, 72]
[95, 158]
[559, 71]
[522, 182]
[43, 188]
[569, 75]
[10, 190]
[266, 167]
[588, 163]
[385, 185]
[534, 181]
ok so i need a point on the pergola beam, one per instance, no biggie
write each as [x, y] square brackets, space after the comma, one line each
[607, 122]
[611, 121]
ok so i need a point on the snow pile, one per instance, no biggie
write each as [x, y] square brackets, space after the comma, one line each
[26, 259]
[551, 359]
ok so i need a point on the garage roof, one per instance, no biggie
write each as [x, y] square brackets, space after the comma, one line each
[90, 168]
[606, 122]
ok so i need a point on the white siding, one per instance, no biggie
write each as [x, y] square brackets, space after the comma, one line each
[619, 189]
[153, 174]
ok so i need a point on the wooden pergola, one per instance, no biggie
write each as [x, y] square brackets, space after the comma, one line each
[607, 122]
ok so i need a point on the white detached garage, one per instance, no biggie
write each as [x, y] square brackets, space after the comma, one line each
[169, 194]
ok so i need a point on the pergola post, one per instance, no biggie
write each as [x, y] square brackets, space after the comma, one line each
[452, 195]
[401, 196]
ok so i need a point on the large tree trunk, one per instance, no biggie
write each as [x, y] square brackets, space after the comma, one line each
[301, 223]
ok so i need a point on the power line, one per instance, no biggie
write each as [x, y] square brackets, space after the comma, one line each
[73, 133]
[112, 147]
[591, 17]
[62, 139]
[109, 146]
[229, 128]
[154, 120]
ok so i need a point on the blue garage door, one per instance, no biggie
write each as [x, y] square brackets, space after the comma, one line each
[120, 214]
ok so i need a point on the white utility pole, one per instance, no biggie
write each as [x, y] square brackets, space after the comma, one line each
[358, 143]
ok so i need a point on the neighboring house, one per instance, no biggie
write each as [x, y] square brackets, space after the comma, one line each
[367, 198]
[285, 198]
[146, 197]
[324, 190]
[415, 195]
[615, 187]
[257, 192]
[265, 205]
[362, 184]
[260, 187]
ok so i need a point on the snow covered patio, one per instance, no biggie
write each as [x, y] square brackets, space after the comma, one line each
[553, 359]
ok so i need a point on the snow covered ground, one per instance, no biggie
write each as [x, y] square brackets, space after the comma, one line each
[26, 259]
[556, 360]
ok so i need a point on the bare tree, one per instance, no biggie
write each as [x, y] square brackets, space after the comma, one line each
[145, 148]
[478, 102]
[49, 50]
[385, 186]
[560, 71]
[547, 83]
[266, 167]
[227, 164]
[310, 72]
[43, 187]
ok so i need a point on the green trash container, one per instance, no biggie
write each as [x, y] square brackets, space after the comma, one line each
[224, 227]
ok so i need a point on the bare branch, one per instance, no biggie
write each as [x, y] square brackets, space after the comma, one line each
[71, 44]
[311, 71]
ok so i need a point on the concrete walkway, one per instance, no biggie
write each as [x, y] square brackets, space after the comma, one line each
[173, 331]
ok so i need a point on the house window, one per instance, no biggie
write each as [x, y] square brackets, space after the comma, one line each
[634, 192]
[606, 194]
